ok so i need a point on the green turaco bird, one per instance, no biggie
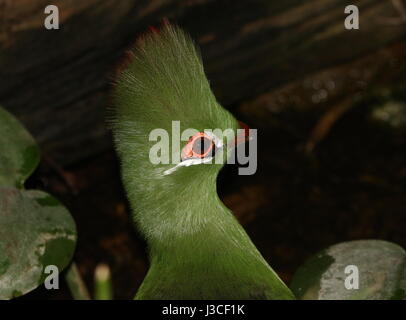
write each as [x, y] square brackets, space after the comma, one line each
[197, 248]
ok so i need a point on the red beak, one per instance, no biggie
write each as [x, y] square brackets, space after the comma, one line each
[242, 136]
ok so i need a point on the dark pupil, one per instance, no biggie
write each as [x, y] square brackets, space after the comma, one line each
[201, 145]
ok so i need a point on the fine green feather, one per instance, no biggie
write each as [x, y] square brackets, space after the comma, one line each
[197, 248]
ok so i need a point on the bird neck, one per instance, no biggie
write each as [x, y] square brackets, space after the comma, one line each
[193, 238]
[176, 211]
[179, 214]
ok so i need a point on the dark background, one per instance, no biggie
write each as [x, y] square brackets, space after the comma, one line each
[329, 105]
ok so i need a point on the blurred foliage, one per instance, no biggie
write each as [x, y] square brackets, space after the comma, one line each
[377, 272]
[36, 230]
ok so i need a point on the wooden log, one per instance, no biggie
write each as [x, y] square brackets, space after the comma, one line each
[58, 81]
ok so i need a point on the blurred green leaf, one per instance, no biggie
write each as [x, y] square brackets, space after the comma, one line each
[19, 154]
[36, 231]
[381, 269]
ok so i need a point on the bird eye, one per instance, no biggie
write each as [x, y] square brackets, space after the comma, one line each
[199, 146]
[202, 146]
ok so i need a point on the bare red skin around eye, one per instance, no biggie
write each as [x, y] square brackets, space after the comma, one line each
[188, 151]
[242, 137]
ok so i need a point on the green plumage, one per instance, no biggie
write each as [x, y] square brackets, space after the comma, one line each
[197, 248]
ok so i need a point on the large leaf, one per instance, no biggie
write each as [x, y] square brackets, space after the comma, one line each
[35, 231]
[381, 269]
[19, 154]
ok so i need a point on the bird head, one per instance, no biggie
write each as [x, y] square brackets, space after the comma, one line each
[168, 127]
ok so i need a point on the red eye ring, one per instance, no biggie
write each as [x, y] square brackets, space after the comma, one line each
[189, 152]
